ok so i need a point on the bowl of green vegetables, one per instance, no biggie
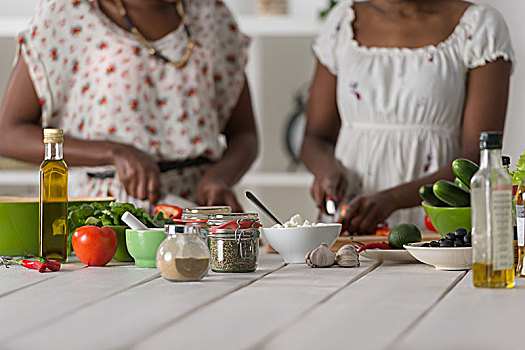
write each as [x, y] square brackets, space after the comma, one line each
[19, 223]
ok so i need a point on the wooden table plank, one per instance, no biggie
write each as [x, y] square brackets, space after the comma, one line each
[370, 313]
[472, 318]
[242, 318]
[44, 303]
[17, 277]
[125, 318]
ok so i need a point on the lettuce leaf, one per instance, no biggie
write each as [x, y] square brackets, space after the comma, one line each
[518, 175]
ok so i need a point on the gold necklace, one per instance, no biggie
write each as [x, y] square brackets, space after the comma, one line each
[151, 50]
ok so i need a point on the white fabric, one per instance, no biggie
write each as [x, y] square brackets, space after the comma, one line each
[401, 109]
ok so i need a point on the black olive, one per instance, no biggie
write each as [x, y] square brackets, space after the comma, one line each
[450, 236]
[434, 244]
[460, 232]
[446, 243]
[458, 244]
[425, 245]
[467, 239]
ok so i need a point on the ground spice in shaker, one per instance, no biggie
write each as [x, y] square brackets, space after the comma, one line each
[183, 256]
[185, 269]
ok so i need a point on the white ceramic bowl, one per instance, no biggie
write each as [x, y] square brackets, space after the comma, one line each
[454, 258]
[293, 243]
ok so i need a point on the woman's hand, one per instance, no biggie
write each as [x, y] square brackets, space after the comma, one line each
[138, 172]
[211, 191]
[331, 182]
[365, 212]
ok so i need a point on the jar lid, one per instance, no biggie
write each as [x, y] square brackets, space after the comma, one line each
[208, 210]
[190, 222]
[182, 229]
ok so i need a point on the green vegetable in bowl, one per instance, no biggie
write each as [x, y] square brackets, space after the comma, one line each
[102, 214]
[518, 175]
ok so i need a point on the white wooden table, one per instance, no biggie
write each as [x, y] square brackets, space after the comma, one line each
[375, 306]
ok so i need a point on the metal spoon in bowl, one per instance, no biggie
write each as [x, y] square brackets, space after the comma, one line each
[259, 205]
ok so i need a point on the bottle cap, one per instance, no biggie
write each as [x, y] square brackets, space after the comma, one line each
[490, 140]
[505, 160]
[53, 136]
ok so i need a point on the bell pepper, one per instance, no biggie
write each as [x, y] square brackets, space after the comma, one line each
[428, 224]
[169, 211]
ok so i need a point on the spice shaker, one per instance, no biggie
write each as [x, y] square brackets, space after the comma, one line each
[183, 256]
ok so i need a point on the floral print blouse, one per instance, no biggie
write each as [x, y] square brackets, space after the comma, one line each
[97, 82]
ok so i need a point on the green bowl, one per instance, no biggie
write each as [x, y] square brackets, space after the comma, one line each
[448, 219]
[122, 253]
[19, 224]
[143, 245]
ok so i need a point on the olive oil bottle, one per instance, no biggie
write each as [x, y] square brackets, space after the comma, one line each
[53, 198]
[492, 228]
[520, 223]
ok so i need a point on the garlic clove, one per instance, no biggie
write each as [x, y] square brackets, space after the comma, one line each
[347, 256]
[321, 256]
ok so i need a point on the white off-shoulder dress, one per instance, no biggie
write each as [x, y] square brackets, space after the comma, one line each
[401, 109]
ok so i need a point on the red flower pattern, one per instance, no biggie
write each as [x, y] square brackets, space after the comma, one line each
[78, 56]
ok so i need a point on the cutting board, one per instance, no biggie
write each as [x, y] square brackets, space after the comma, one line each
[342, 240]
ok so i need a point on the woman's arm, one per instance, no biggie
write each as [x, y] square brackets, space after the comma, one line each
[22, 139]
[322, 129]
[485, 109]
[242, 146]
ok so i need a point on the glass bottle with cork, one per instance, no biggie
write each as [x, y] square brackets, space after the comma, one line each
[492, 233]
[53, 198]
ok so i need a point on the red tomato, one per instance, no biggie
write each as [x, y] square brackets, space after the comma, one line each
[95, 246]
[428, 224]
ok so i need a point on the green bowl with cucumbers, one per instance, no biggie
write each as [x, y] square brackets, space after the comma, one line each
[448, 219]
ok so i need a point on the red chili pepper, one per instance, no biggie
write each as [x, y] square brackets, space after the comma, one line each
[52, 265]
[377, 245]
[33, 265]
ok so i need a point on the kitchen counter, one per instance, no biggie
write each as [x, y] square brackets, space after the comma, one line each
[374, 306]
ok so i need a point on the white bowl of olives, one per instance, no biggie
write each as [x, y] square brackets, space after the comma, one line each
[452, 252]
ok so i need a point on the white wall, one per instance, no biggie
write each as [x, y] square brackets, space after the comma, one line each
[279, 66]
[514, 141]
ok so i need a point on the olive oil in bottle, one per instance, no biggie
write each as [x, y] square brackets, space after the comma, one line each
[53, 198]
[492, 228]
[520, 224]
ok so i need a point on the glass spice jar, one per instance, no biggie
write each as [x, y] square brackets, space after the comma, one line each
[234, 245]
[206, 210]
[203, 213]
[200, 224]
[183, 256]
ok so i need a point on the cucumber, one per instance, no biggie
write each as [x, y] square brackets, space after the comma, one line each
[464, 169]
[461, 184]
[427, 194]
[451, 194]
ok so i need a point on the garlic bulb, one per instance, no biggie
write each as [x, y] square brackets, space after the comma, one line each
[347, 256]
[320, 257]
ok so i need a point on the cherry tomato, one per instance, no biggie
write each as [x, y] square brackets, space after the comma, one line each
[428, 224]
[95, 246]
